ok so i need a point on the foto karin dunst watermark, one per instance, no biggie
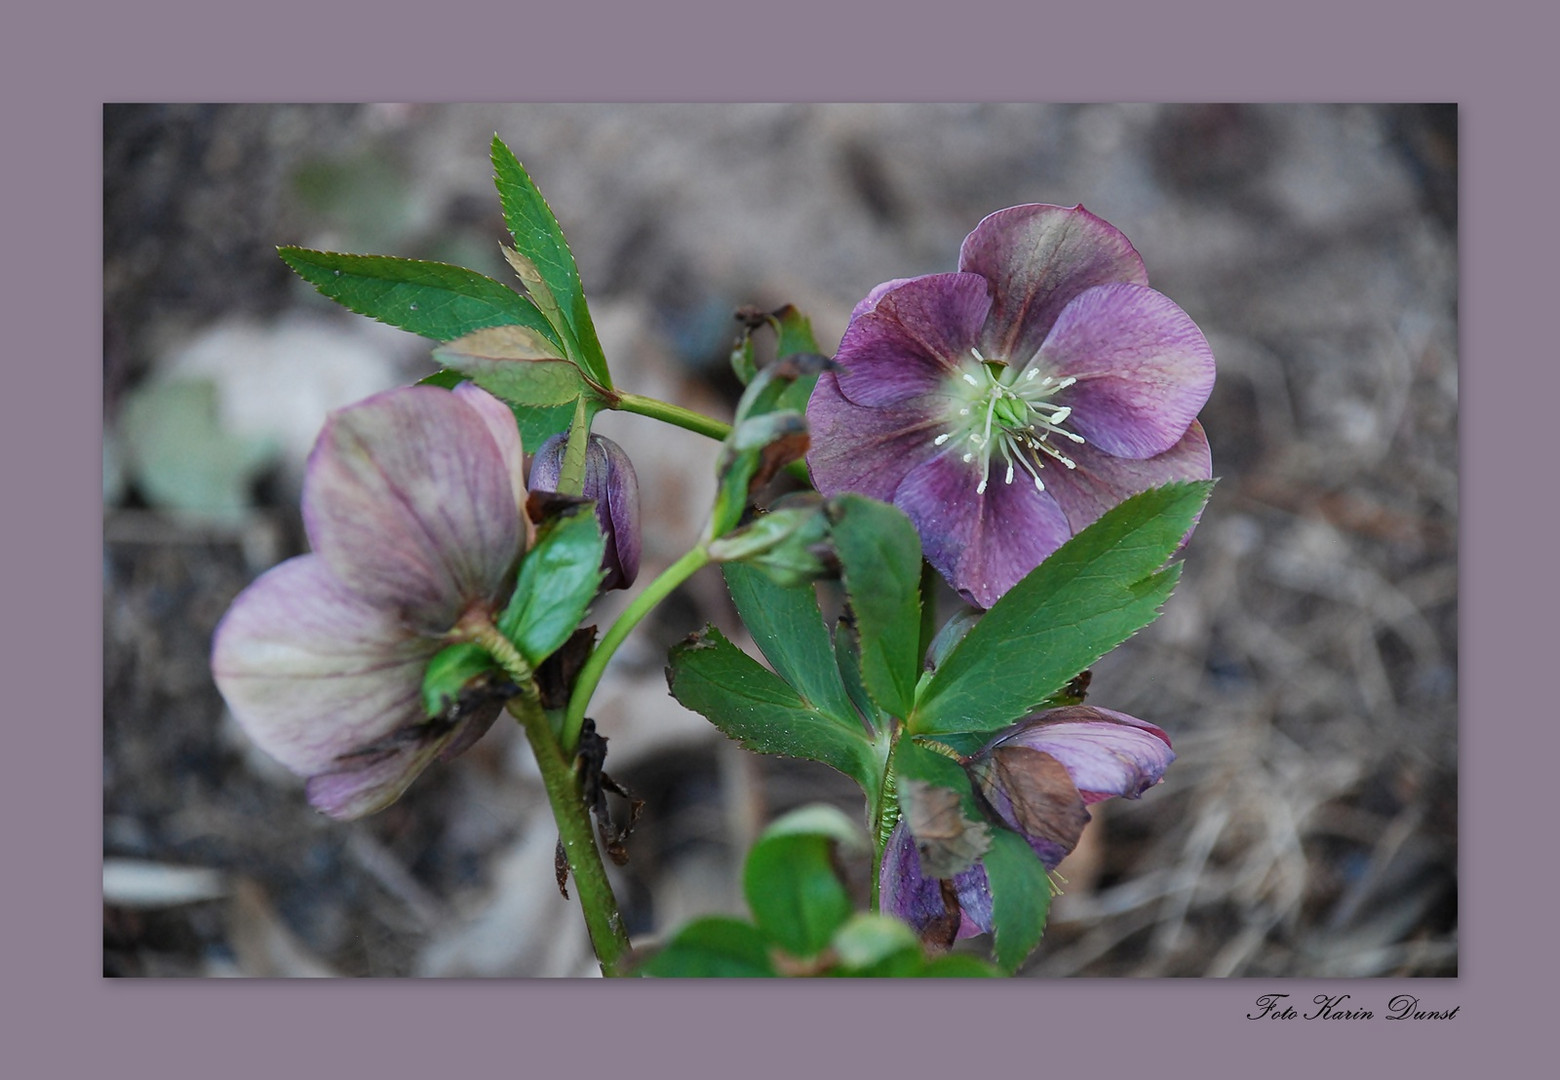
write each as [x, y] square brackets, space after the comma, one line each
[1345, 1007]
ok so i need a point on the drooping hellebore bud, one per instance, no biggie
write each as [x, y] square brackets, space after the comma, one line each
[609, 481]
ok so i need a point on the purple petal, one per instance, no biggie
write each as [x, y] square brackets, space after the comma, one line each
[620, 492]
[1101, 481]
[1106, 753]
[983, 543]
[374, 782]
[1144, 370]
[869, 301]
[913, 340]
[1037, 258]
[904, 892]
[500, 420]
[867, 450]
[411, 502]
[311, 672]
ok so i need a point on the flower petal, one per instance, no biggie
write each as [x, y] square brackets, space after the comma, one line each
[913, 340]
[502, 425]
[1037, 258]
[1144, 370]
[908, 894]
[984, 543]
[1101, 481]
[867, 450]
[869, 301]
[1106, 753]
[411, 503]
[311, 672]
[374, 782]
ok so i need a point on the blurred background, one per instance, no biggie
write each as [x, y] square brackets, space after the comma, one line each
[1306, 668]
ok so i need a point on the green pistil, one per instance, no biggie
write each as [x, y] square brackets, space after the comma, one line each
[1009, 411]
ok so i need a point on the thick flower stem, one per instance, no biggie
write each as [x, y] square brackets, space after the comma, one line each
[672, 414]
[602, 918]
[596, 665]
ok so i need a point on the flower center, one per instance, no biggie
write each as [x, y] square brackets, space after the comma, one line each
[1008, 414]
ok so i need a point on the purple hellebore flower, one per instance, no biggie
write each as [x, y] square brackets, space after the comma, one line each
[611, 482]
[1006, 406]
[1037, 778]
[413, 503]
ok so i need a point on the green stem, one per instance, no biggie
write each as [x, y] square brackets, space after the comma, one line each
[590, 674]
[672, 414]
[602, 918]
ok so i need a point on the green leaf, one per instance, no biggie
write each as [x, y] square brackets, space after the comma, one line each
[449, 672]
[796, 332]
[1093, 593]
[848, 653]
[539, 238]
[819, 819]
[880, 555]
[754, 706]
[713, 947]
[516, 364]
[958, 966]
[789, 631]
[558, 580]
[435, 300]
[870, 945]
[1020, 897]
[537, 423]
[796, 336]
[795, 895]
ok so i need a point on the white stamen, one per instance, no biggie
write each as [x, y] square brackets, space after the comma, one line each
[1009, 478]
[941, 438]
[972, 380]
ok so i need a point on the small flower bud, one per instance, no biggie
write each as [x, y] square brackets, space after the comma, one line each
[611, 482]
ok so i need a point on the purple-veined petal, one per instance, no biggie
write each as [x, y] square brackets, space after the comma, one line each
[982, 542]
[374, 779]
[867, 450]
[500, 420]
[1144, 370]
[1106, 753]
[1101, 481]
[311, 672]
[1037, 258]
[908, 894]
[410, 501]
[868, 302]
[913, 340]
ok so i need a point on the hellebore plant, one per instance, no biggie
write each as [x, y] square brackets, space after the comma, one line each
[1025, 427]
[1007, 406]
